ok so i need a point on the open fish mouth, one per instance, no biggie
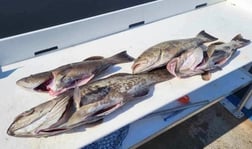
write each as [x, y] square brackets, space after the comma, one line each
[171, 66]
[43, 87]
[146, 64]
[49, 86]
[136, 68]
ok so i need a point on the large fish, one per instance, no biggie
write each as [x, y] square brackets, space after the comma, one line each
[204, 60]
[68, 76]
[160, 54]
[87, 104]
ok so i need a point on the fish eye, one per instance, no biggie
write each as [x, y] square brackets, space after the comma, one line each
[65, 79]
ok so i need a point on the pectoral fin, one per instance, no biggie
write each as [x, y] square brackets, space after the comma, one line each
[142, 92]
[206, 76]
[94, 120]
[212, 48]
[77, 97]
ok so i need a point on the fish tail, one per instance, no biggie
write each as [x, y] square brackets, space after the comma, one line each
[241, 41]
[121, 57]
[205, 37]
[161, 74]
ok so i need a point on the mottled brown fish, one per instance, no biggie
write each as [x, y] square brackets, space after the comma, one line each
[85, 105]
[160, 54]
[68, 76]
[203, 60]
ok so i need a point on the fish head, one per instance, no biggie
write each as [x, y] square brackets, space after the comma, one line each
[37, 82]
[25, 124]
[64, 80]
[39, 120]
[147, 61]
[59, 82]
[29, 83]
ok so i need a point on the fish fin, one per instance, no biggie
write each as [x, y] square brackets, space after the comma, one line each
[84, 80]
[95, 121]
[77, 97]
[121, 57]
[205, 36]
[206, 76]
[212, 47]
[107, 110]
[217, 68]
[93, 58]
[87, 121]
[210, 50]
[141, 93]
[243, 41]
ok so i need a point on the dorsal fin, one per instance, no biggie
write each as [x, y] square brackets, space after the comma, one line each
[93, 58]
[205, 37]
[211, 48]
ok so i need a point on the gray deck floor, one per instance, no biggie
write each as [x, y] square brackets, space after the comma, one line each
[214, 128]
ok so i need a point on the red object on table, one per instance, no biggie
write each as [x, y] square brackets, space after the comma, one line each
[184, 100]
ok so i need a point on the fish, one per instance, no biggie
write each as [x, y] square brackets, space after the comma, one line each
[35, 121]
[69, 76]
[86, 104]
[160, 54]
[204, 60]
[185, 65]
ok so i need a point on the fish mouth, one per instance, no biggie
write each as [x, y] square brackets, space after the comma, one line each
[43, 87]
[134, 67]
[147, 64]
[137, 67]
[171, 66]
[10, 132]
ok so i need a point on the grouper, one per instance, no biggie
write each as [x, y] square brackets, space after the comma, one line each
[160, 54]
[68, 76]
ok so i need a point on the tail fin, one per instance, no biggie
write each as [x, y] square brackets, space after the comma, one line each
[241, 41]
[121, 57]
[205, 37]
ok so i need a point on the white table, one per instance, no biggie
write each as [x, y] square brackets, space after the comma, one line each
[223, 20]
